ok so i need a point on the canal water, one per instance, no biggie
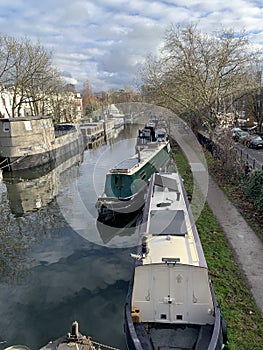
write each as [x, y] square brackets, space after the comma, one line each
[57, 263]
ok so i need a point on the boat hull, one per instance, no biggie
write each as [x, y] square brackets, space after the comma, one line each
[120, 210]
[50, 158]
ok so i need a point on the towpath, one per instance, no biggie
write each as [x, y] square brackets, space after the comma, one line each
[247, 247]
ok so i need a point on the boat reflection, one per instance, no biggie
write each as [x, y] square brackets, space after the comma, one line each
[119, 229]
[30, 190]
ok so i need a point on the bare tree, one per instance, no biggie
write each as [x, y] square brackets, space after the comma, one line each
[90, 102]
[197, 72]
[27, 77]
[255, 102]
[87, 93]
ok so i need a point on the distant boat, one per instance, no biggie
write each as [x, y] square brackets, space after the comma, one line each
[29, 142]
[171, 303]
[126, 183]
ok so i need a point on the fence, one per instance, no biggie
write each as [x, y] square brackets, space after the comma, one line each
[242, 154]
[249, 159]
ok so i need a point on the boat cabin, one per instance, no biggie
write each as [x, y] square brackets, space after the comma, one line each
[171, 285]
[131, 175]
[20, 136]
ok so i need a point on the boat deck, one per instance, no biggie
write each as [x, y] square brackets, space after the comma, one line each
[181, 337]
[170, 337]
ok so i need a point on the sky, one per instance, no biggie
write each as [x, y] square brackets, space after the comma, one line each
[106, 41]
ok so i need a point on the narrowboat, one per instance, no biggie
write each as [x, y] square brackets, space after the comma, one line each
[171, 303]
[126, 183]
[72, 340]
[29, 142]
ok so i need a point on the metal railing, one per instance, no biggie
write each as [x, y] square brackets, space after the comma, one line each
[241, 153]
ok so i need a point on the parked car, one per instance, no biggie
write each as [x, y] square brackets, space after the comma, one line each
[253, 129]
[245, 137]
[235, 131]
[255, 141]
[240, 136]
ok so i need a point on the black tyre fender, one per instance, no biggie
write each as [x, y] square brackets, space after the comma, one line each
[224, 329]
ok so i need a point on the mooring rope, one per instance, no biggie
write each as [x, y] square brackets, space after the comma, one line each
[15, 161]
[104, 346]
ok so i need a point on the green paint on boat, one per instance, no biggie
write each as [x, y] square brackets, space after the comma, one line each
[130, 176]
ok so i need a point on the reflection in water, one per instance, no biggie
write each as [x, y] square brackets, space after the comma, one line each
[88, 284]
[32, 190]
[109, 233]
[55, 267]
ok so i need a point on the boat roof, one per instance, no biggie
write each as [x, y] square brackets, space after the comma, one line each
[25, 118]
[170, 229]
[134, 163]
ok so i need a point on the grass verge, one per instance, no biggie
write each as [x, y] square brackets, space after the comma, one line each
[244, 321]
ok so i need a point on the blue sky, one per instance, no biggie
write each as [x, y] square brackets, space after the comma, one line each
[104, 41]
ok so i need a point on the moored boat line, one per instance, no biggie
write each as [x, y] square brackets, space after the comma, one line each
[171, 302]
[30, 142]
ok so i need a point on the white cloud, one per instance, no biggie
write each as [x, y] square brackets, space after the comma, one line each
[104, 41]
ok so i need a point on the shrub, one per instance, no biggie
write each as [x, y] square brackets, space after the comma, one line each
[259, 202]
[254, 187]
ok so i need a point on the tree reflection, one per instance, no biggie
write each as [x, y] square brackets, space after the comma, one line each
[19, 234]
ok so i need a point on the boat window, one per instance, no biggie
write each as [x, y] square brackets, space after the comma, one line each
[167, 222]
[28, 125]
[6, 127]
[26, 149]
[142, 175]
[118, 181]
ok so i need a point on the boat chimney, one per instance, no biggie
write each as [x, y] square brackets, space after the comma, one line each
[139, 155]
[145, 249]
[75, 329]
[74, 335]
